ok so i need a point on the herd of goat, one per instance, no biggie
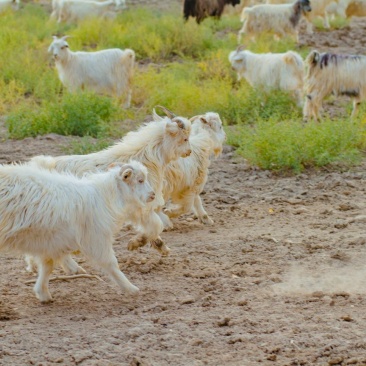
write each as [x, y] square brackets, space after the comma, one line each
[52, 207]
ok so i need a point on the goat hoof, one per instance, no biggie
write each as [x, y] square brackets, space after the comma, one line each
[205, 219]
[161, 247]
[132, 290]
[136, 243]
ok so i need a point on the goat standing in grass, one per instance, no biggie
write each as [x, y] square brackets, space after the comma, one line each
[108, 71]
[281, 19]
[270, 71]
[329, 73]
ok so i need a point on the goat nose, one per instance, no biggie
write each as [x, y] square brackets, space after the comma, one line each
[189, 152]
[151, 196]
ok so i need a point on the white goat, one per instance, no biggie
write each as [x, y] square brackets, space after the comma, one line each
[318, 9]
[333, 74]
[108, 71]
[282, 71]
[74, 12]
[155, 145]
[5, 4]
[48, 215]
[281, 19]
[186, 178]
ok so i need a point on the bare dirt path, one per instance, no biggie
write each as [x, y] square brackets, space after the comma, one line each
[279, 280]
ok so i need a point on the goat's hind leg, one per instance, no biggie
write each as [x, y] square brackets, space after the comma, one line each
[45, 268]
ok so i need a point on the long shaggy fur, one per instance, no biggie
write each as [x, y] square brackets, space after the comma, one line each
[76, 10]
[282, 71]
[318, 9]
[280, 19]
[48, 215]
[108, 71]
[155, 145]
[333, 74]
[186, 178]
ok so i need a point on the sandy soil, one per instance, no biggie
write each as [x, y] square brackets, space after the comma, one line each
[279, 280]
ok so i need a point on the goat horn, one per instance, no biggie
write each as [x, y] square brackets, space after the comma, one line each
[194, 117]
[180, 123]
[169, 113]
[240, 48]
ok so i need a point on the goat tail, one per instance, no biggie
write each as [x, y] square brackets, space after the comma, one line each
[244, 13]
[291, 58]
[43, 161]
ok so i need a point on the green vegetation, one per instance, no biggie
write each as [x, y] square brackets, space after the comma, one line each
[180, 65]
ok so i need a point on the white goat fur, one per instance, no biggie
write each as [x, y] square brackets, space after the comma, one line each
[318, 9]
[186, 178]
[283, 71]
[155, 145]
[333, 74]
[108, 71]
[72, 12]
[5, 4]
[274, 18]
[76, 10]
[48, 215]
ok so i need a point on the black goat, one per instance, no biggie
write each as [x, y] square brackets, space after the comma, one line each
[201, 9]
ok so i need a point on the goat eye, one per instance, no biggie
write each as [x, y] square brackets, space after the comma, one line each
[185, 140]
[141, 181]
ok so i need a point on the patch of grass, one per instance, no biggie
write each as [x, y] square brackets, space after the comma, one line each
[87, 145]
[76, 114]
[292, 145]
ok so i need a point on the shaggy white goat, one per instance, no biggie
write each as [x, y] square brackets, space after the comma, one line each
[337, 74]
[5, 4]
[76, 10]
[186, 178]
[318, 9]
[107, 71]
[281, 19]
[48, 215]
[155, 145]
[70, 11]
[282, 71]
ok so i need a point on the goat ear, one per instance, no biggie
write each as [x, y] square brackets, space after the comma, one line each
[126, 173]
[204, 121]
[314, 57]
[54, 38]
[65, 37]
[179, 123]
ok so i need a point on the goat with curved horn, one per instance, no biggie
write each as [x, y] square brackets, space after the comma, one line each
[169, 113]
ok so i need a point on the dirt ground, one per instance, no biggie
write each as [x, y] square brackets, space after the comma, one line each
[280, 279]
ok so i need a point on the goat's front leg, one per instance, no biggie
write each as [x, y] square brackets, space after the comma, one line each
[200, 211]
[356, 103]
[108, 262]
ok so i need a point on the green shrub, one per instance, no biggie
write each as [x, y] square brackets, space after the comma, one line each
[292, 145]
[81, 114]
